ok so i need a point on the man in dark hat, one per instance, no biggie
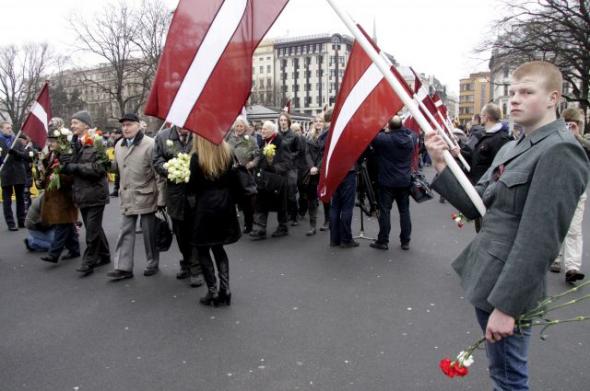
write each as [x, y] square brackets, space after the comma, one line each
[88, 166]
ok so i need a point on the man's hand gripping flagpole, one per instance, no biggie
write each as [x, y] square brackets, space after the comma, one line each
[384, 67]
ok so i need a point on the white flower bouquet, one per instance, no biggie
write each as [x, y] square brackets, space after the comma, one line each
[179, 168]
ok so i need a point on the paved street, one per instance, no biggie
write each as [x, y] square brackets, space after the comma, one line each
[303, 317]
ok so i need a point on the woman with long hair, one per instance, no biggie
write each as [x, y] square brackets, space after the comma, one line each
[313, 158]
[213, 184]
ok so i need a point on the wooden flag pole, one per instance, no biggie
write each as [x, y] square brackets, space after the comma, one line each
[410, 104]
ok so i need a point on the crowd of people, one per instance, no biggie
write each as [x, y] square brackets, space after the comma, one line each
[276, 169]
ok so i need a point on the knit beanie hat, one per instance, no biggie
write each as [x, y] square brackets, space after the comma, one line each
[83, 116]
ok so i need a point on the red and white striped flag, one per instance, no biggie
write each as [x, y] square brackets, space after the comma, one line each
[36, 126]
[364, 104]
[205, 72]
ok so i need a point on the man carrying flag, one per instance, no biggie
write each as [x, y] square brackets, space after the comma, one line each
[14, 157]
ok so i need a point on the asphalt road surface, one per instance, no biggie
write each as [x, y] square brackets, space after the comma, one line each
[304, 316]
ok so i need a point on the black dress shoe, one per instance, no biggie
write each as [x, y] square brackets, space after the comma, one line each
[247, 230]
[325, 227]
[85, 269]
[257, 235]
[196, 281]
[150, 271]
[294, 223]
[117, 275]
[12, 228]
[209, 299]
[280, 233]
[379, 245]
[115, 193]
[572, 276]
[351, 244]
[405, 246]
[102, 262]
[334, 244]
[311, 232]
[223, 298]
[70, 256]
[182, 274]
[49, 259]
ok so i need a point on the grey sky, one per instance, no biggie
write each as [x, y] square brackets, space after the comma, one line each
[435, 37]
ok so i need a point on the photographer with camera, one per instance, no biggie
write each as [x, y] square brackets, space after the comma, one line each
[393, 149]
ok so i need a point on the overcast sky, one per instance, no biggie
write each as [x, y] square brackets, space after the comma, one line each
[435, 37]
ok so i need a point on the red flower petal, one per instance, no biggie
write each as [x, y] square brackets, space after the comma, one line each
[446, 367]
[453, 216]
[460, 370]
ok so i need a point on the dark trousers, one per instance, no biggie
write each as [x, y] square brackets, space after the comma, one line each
[308, 194]
[341, 210]
[326, 212]
[302, 203]
[247, 204]
[265, 202]
[183, 230]
[97, 246]
[65, 236]
[19, 192]
[401, 195]
[222, 264]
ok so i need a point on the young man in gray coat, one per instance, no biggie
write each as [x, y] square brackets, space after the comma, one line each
[531, 192]
[138, 193]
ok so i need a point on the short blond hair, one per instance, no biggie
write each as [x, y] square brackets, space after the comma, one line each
[492, 111]
[552, 78]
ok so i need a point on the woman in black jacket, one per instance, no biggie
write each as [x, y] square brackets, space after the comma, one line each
[215, 223]
[311, 179]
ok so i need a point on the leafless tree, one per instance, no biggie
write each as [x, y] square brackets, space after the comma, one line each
[22, 69]
[557, 31]
[129, 40]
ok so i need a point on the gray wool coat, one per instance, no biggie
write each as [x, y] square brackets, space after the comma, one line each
[531, 192]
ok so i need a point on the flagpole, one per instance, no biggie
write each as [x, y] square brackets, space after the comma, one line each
[11, 146]
[410, 104]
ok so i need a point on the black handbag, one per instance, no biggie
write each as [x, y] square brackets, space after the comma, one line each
[419, 188]
[163, 231]
[246, 181]
[269, 182]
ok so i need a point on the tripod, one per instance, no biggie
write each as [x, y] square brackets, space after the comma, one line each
[365, 193]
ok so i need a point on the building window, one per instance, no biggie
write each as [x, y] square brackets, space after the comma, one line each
[261, 69]
[268, 69]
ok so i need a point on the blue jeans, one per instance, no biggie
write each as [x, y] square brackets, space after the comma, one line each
[66, 235]
[341, 210]
[401, 195]
[508, 358]
[40, 240]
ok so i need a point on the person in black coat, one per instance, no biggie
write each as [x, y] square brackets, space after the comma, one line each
[311, 177]
[482, 153]
[393, 149]
[294, 147]
[168, 144]
[215, 223]
[271, 178]
[13, 175]
[90, 190]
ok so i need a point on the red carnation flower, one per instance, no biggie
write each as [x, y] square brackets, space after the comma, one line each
[447, 368]
[460, 370]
